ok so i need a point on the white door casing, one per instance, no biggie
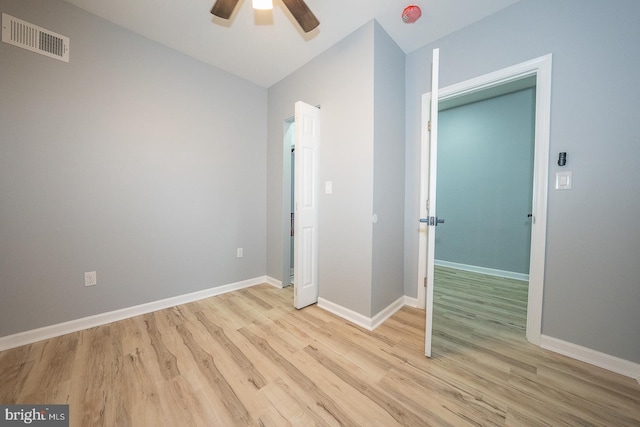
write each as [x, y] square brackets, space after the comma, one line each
[307, 141]
[541, 68]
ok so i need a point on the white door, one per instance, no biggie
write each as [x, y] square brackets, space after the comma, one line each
[305, 282]
[428, 218]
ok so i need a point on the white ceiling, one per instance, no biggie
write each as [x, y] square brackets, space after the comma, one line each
[266, 46]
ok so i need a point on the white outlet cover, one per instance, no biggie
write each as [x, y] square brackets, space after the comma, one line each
[90, 278]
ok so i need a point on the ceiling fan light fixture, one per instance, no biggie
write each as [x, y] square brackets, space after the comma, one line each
[262, 4]
[304, 17]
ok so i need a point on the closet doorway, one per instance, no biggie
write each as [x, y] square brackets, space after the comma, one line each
[288, 196]
[300, 203]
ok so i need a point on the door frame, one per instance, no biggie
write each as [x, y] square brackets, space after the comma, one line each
[540, 68]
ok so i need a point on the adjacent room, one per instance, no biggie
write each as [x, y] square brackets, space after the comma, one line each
[323, 213]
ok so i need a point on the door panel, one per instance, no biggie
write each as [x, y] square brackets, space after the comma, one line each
[307, 141]
[429, 159]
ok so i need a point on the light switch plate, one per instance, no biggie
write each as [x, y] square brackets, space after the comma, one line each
[563, 180]
[328, 187]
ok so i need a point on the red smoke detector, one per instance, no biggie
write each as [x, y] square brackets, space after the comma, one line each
[410, 14]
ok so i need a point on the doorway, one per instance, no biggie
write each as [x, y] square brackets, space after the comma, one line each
[288, 196]
[540, 70]
[484, 192]
[485, 181]
[300, 196]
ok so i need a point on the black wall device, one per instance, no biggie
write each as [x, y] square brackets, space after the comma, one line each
[562, 159]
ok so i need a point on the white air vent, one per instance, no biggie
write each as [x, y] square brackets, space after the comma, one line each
[31, 37]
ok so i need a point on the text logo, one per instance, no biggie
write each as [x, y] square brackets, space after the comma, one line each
[34, 415]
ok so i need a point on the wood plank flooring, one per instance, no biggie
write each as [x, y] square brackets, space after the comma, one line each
[249, 358]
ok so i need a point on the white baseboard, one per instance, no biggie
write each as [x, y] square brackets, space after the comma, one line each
[387, 312]
[411, 302]
[345, 313]
[28, 337]
[273, 282]
[368, 323]
[593, 357]
[483, 270]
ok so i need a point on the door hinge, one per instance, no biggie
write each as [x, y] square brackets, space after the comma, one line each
[429, 126]
[425, 282]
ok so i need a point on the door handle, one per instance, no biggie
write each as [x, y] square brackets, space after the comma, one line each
[432, 220]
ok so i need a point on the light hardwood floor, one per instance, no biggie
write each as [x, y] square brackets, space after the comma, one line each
[249, 358]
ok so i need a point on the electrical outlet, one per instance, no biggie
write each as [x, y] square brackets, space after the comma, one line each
[239, 253]
[90, 278]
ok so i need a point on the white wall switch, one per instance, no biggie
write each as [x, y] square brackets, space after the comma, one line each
[328, 187]
[90, 278]
[239, 253]
[563, 180]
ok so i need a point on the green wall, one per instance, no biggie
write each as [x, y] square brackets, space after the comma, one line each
[484, 184]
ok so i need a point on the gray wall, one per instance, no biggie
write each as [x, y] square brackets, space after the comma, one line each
[388, 172]
[592, 278]
[132, 160]
[485, 181]
[341, 81]
[359, 83]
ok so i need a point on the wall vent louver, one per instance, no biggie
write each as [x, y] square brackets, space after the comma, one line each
[31, 37]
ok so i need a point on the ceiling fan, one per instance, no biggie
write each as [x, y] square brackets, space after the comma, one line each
[298, 8]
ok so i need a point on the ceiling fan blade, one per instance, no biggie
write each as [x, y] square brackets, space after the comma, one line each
[302, 14]
[224, 8]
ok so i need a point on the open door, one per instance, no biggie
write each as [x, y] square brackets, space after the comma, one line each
[428, 218]
[307, 139]
[541, 68]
